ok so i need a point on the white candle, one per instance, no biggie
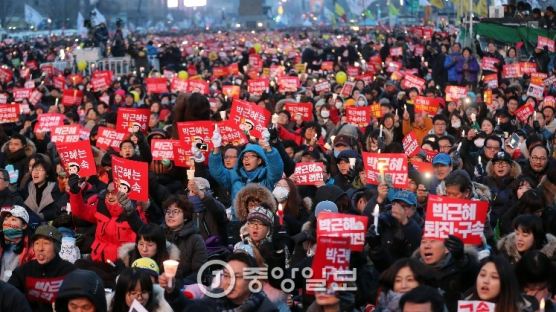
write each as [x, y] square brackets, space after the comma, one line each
[375, 215]
[542, 305]
[459, 146]
[405, 107]
[380, 134]
[498, 121]
[463, 133]
[352, 162]
[535, 115]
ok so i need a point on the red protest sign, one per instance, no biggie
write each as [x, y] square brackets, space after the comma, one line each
[255, 61]
[347, 89]
[196, 132]
[9, 113]
[308, 173]
[35, 97]
[288, 84]
[327, 66]
[101, 80]
[394, 66]
[386, 168]
[249, 117]
[72, 97]
[410, 145]
[109, 138]
[178, 85]
[231, 134]
[545, 42]
[162, 149]
[491, 81]
[511, 71]
[131, 177]
[331, 261]
[47, 121]
[412, 81]
[48, 69]
[304, 109]
[156, 85]
[487, 97]
[476, 306]
[6, 75]
[536, 91]
[59, 82]
[20, 94]
[29, 84]
[353, 71]
[354, 227]
[423, 167]
[198, 86]
[77, 158]
[454, 93]
[218, 72]
[65, 134]
[258, 86]
[323, 86]
[426, 104]
[182, 155]
[76, 79]
[396, 51]
[459, 217]
[524, 112]
[527, 68]
[489, 63]
[538, 78]
[359, 116]
[419, 50]
[233, 69]
[133, 119]
[549, 101]
[376, 110]
[231, 92]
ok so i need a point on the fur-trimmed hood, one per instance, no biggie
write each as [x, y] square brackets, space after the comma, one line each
[126, 249]
[507, 245]
[479, 191]
[514, 172]
[30, 148]
[256, 191]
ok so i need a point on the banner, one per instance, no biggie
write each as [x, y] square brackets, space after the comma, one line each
[156, 85]
[511, 71]
[198, 86]
[231, 134]
[65, 134]
[72, 97]
[162, 149]
[308, 173]
[476, 306]
[459, 217]
[411, 81]
[489, 63]
[109, 138]
[249, 117]
[133, 119]
[303, 109]
[410, 145]
[258, 86]
[9, 113]
[359, 116]
[49, 120]
[288, 84]
[131, 177]
[454, 93]
[77, 158]
[545, 42]
[386, 168]
[524, 112]
[20, 94]
[343, 225]
[428, 105]
[178, 85]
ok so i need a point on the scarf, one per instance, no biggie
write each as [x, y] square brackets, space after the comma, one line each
[253, 174]
[16, 156]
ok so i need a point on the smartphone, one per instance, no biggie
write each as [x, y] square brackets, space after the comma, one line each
[514, 141]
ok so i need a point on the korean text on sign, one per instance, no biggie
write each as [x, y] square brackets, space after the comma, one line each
[249, 117]
[9, 113]
[45, 122]
[131, 177]
[133, 119]
[331, 261]
[308, 173]
[386, 168]
[77, 158]
[462, 218]
[304, 109]
[109, 138]
[162, 149]
[343, 225]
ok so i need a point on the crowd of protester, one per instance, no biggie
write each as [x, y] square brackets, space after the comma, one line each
[65, 238]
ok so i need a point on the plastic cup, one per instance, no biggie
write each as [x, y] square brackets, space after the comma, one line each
[190, 174]
[170, 269]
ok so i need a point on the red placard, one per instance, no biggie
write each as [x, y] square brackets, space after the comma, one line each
[35, 97]
[231, 92]
[156, 85]
[308, 173]
[410, 145]
[256, 61]
[9, 113]
[48, 69]
[376, 110]
[218, 72]
[65, 134]
[424, 168]
[323, 86]
[527, 68]
[72, 97]
[396, 51]
[412, 81]
[393, 66]
[288, 84]
[426, 104]
[524, 112]
[305, 109]
[131, 177]
[77, 158]
[29, 84]
[454, 93]
[353, 71]
[47, 121]
[366, 77]
[359, 116]
[231, 134]
[249, 117]
[198, 86]
[549, 101]
[331, 261]
[419, 50]
[233, 69]
[109, 138]
[6, 75]
[162, 149]
[544, 41]
[347, 89]
[459, 217]
[476, 306]
[491, 81]
[511, 70]
[327, 66]
[101, 80]
[133, 119]
[538, 78]
[20, 94]
[343, 225]
[182, 155]
[59, 82]
[386, 168]
[178, 85]
[196, 132]
[258, 86]
[489, 63]
[76, 79]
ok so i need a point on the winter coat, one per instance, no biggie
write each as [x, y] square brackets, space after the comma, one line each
[40, 283]
[506, 245]
[126, 254]
[50, 205]
[12, 299]
[19, 159]
[158, 292]
[469, 75]
[256, 192]
[82, 283]
[113, 227]
[267, 174]
[501, 191]
[450, 64]
[24, 254]
[389, 302]
[193, 252]
[212, 220]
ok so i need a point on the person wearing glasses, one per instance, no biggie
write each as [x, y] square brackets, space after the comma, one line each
[539, 162]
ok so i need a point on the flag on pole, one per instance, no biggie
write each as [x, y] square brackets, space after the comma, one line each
[98, 18]
[32, 16]
[81, 29]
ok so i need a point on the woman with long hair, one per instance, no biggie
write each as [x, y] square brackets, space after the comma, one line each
[135, 284]
[294, 212]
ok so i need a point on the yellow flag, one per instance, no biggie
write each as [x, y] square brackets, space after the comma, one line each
[339, 10]
[437, 3]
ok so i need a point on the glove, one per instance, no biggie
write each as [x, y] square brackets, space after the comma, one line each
[73, 182]
[479, 172]
[273, 134]
[454, 246]
[198, 156]
[125, 203]
[265, 137]
[372, 238]
[216, 139]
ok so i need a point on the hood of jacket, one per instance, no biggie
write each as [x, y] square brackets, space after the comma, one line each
[125, 251]
[82, 283]
[507, 245]
[328, 192]
[30, 148]
[253, 148]
[514, 172]
[257, 192]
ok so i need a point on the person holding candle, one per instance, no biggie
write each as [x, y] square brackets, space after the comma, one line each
[535, 274]
[349, 165]
[136, 284]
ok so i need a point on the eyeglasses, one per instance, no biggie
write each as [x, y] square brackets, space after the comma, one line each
[538, 159]
[247, 156]
[230, 157]
[173, 212]
[501, 164]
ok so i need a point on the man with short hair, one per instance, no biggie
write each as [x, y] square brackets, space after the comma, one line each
[422, 299]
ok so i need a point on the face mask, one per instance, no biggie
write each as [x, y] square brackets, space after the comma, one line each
[456, 124]
[165, 102]
[360, 104]
[324, 113]
[480, 142]
[81, 87]
[238, 82]
[280, 193]
[12, 234]
[339, 105]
